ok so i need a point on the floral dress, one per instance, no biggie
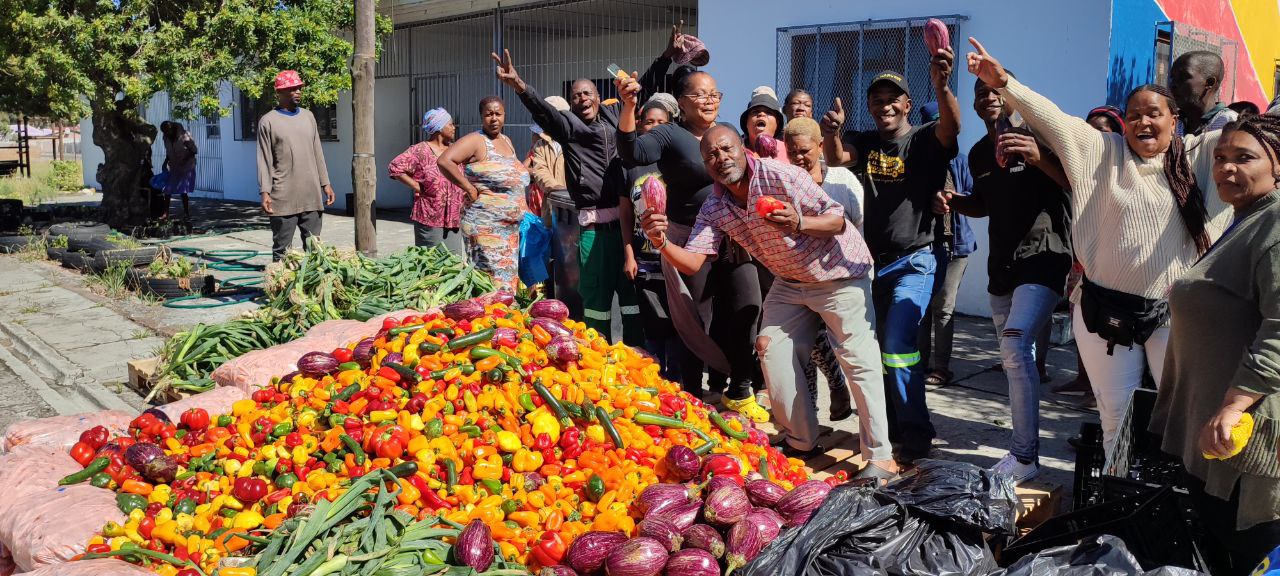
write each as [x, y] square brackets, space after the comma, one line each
[439, 204]
[491, 223]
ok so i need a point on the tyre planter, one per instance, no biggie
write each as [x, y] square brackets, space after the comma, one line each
[173, 288]
[91, 245]
[78, 261]
[80, 230]
[55, 254]
[9, 244]
[132, 256]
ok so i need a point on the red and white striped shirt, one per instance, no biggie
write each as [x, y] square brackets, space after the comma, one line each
[791, 256]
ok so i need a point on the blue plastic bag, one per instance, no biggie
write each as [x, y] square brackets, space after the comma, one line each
[535, 250]
[159, 181]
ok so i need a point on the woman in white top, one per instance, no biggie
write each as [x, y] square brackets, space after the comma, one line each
[803, 143]
[1144, 209]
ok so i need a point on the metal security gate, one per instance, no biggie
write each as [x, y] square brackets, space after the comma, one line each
[552, 43]
[839, 60]
[1173, 39]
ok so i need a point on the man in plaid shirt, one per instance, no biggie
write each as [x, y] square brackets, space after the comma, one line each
[821, 266]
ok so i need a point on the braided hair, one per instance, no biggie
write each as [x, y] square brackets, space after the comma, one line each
[1182, 180]
[1265, 128]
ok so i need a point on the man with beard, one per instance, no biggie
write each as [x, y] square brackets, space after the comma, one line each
[292, 174]
[821, 267]
[902, 167]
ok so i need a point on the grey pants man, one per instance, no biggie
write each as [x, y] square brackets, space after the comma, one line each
[935, 352]
[428, 236]
[793, 311]
[282, 228]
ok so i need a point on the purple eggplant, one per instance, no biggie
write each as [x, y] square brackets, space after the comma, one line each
[159, 414]
[703, 537]
[553, 309]
[765, 493]
[557, 570]
[746, 539]
[589, 551]
[768, 515]
[501, 335]
[683, 463]
[717, 481]
[563, 350]
[463, 310]
[504, 297]
[637, 557]
[798, 505]
[680, 515]
[552, 326]
[290, 376]
[692, 562]
[161, 470]
[726, 505]
[363, 352]
[394, 357]
[142, 453]
[656, 497]
[317, 364]
[662, 531]
[475, 546]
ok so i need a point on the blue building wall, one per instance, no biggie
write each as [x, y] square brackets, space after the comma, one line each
[1133, 38]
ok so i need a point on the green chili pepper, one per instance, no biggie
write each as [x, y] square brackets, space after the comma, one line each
[354, 447]
[451, 474]
[94, 467]
[607, 422]
[526, 402]
[432, 558]
[336, 420]
[471, 430]
[471, 339]
[398, 330]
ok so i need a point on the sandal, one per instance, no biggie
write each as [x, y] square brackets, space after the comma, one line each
[938, 378]
[875, 476]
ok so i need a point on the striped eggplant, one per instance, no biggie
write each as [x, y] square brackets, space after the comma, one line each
[936, 35]
[800, 503]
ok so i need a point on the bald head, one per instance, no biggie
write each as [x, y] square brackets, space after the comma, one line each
[724, 156]
[1195, 79]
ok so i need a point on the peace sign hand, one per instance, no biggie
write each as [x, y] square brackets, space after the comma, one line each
[834, 119]
[986, 67]
[676, 44]
[506, 71]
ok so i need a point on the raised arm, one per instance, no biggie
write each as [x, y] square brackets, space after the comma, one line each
[833, 148]
[948, 107]
[550, 119]
[461, 152]
[634, 149]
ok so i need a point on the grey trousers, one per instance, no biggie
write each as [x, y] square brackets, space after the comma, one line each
[935, 352]
[793, 312]
[428, 236]
[282, 228]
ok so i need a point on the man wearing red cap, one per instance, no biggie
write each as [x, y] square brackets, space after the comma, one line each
[291, 171]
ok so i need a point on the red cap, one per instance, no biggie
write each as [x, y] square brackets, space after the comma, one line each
[287, 79]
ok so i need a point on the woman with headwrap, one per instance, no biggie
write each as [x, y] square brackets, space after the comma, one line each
[437, 202]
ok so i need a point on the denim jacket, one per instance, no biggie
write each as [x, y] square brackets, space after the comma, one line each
[963, 242]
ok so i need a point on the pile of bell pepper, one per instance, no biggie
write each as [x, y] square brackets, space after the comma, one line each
[476, 427]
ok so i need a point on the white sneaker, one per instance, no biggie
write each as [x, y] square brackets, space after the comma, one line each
[1019, 472]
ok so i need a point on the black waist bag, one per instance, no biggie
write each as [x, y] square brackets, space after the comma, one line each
[1119, 317]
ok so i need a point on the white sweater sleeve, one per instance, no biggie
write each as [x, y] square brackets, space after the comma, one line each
[1200, 155]
[1081, 147]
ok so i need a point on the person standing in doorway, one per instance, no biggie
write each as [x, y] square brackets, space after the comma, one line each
[902, 167]
[292, 175]
[180, 162]
[1195, 79]
[437, 202]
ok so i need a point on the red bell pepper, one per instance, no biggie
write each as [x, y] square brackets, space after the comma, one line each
[542, 441]
[96, 437]
[721, 465]
[145, 527]
[550, 549]
[82, 453]
[341, 354]
[195, 419]
[388, 441]
[249, 490]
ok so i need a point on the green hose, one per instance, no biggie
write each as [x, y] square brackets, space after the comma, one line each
[234, 290]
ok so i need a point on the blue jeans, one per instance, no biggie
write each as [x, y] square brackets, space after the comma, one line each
[1019, 317]
[901, 293]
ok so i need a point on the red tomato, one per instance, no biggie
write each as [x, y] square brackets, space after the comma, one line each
[82, 453]
[342, 354]
[95, 437]
[195, 419]
[767, 204]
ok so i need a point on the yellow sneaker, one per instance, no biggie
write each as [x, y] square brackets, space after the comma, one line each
[748, 407]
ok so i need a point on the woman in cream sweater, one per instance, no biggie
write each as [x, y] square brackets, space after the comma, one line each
[1144, 209]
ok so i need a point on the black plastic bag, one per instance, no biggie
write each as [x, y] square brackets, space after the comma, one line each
[1103, 555]
[848, 511]
[959, 492]
[919, 549]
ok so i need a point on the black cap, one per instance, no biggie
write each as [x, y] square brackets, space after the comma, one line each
[891, 77]
[766, 97]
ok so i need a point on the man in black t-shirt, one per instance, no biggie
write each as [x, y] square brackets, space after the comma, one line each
[902, 167]
[1025, 199]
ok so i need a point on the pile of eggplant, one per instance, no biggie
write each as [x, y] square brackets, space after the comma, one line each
[695, 529]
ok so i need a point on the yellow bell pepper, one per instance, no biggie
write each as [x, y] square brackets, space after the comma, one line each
[242, 407]
[409, 493]
[490, 468]
[526, 461]
[307, 418]
[595, 433]
[247, 520]
[507, 441]
[544, 423]
[268, 452]
[160, 494]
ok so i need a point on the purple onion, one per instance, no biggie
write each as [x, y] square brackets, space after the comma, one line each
[703, 537]
[637, 557]
[662, 531]
[692, 562]
[726, 505]
[683, 463]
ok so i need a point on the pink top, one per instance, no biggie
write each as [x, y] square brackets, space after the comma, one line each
[439, 203]
[790, 256]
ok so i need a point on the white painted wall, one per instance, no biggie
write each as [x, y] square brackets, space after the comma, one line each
[1058, 48]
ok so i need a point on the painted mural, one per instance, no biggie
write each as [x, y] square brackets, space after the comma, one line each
[1250, 23]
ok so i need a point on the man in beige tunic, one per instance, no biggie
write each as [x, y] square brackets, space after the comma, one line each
[291, 169]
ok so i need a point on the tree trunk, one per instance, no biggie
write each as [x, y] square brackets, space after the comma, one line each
[125, 173]
[363, 172]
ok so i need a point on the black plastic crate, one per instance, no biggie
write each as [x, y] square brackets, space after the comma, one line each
[1152, 522]
[1090, 460]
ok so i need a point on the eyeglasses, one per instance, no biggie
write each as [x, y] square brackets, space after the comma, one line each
[705, 98]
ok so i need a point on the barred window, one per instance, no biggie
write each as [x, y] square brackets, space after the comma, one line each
[251, 110]
[838, 60]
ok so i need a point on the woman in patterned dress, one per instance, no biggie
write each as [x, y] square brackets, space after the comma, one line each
[437, 202]
[180, 161]
[485, 166]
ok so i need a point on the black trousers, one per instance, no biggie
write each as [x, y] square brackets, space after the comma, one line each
[282, 228]
[1230, 551]
[735, 291]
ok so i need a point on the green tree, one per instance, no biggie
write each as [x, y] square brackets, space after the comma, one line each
[70, 59]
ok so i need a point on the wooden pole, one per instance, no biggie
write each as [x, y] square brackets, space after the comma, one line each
[363, 175]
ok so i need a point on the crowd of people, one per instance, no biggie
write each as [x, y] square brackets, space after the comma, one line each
[789, 245]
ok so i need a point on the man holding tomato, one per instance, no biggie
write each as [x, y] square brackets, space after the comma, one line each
[821, 267]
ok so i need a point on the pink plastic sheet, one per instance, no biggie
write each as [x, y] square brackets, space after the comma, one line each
[99, 567]
[62, 431]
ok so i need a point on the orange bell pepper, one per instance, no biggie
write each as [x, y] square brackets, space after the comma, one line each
[138, 487]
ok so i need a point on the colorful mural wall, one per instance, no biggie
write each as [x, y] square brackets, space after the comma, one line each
[1250, 23]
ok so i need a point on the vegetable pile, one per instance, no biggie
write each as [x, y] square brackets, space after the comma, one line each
[310, 287]
[549, 445]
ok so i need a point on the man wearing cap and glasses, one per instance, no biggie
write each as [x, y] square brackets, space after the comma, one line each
[292, 174]
[901, 166]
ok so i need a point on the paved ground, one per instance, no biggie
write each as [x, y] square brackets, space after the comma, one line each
[63, 348]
